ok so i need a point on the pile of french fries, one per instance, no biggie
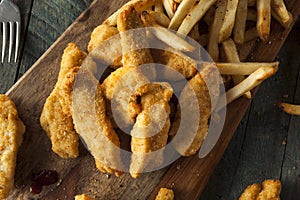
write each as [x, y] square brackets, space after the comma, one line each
[222, 27]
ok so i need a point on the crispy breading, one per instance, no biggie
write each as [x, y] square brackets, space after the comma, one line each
[174, 61]
[83, 197]
[150, 132]
[56, 119]
[165, 194]
[268, 190]
[134, 42]
[121, 88]
[251, 192]
[93, 125]
[11, 136]
[111, 54]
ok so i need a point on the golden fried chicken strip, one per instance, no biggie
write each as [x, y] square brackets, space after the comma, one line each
[121, 88]
[56, 119]
[251, 192]
[134, 43]
[165, 194]
[150, 132]
[270, 190]
[83, 197]
[175, 61]
[11, 136]
[102, 49]
[92, 124]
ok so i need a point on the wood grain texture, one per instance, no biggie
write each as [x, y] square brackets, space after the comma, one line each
[188, 176]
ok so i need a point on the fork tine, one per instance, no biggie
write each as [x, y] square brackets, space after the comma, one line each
[18, 32]
[11, 40]
[3, 41]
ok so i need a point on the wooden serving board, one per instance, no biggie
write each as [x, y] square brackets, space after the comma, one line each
[187, 176]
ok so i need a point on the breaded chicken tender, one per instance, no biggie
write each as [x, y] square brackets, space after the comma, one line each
[150, 132]
[83, 197]
[105, 48]
[56, 118]
[199, 96]
[11, 136]
[93, 125]
[165, 194]
[268, 190]
[121, 88]
[134, 43]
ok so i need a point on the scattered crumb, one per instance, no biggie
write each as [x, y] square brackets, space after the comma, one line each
[285, 96]
[165, 194]
[283, 142]
[294, 168]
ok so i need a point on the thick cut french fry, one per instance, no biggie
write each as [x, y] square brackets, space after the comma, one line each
[251, 34]
[213, 46]
[251, 15]
[285, 24]
[166, 35]
[229, 19]
[160, 18]
[168, 8]
[263, 23]
[240, 22]
[279, 8]
[183, 9]
[248, 84]
[194, 16]
[233, 56]
[139, 5]
[290, 108]
[243, 68]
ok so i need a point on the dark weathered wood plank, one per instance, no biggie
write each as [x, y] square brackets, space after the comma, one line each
[290, 174]
[8, 71]
[263, 149]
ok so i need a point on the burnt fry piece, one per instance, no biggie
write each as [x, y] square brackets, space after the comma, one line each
[56, 119]
[11, 136]
[134, 42]
[93, 125]
[150, 132]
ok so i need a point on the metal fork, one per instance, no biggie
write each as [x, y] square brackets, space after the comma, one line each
[10, 15]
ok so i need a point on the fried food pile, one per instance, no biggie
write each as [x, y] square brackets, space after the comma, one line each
[11, 137]
[268, 190]
[127, 98]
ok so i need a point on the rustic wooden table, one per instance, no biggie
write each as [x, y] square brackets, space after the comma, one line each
[266, 144]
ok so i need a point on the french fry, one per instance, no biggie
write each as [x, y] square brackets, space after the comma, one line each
[209, 16]
[252, 15]
[240, 22]
[158, 7]
[243, 68]
[228, 21]
[248, 84]
[166, 35]
[178, 1]
[183, 9]
[168, 8]
[139, 5]
[160, 18]
[251, 34]
[285, 18]
[194, 16]
[233, 56]
[194, 33]
[286, 24]
[251, 2]
[290, 108]
[263, 23]
[213, 46]
[174, 5]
